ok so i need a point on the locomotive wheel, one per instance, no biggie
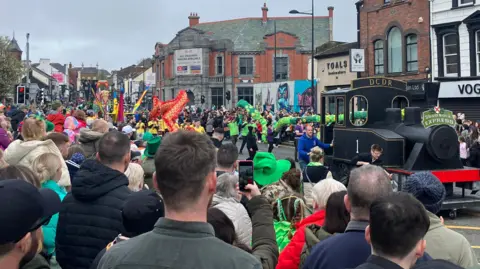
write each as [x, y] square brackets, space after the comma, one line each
[452, 214]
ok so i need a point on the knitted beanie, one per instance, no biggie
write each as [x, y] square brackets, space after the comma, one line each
[427, 188]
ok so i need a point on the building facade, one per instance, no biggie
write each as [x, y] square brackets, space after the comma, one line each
[218, 60]
[456, 55]
[395, 35]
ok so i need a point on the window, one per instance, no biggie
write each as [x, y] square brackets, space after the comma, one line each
[358, 110]
[400, 102]
[477, 35]
[394, 51]
[281, 68]
[450, 54]
[157, 72]
[173, 93]
[412, 53]
[465, 2]
[219, 65]
[163, 70]
[217, 97]
[246, 66]
[378, 54]
[245, 93]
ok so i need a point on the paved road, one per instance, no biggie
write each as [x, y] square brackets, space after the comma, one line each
[466, 223]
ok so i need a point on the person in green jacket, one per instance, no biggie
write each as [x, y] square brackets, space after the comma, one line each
[233, 127]
[48, 168]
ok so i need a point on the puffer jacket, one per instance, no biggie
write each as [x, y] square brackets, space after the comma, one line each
[89, 141]
[25, 152]
[237, 213]
[91, 214]
[290, 256]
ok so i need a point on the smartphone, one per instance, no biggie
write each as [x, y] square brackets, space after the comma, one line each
[245, 174]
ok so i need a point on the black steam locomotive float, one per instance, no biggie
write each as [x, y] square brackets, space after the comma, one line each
[414, 138]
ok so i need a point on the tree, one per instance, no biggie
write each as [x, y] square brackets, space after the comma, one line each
[11, 69]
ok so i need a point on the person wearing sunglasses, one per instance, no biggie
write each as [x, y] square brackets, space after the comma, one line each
[24, 210]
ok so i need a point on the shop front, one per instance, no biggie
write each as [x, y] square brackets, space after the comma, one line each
[461, 96]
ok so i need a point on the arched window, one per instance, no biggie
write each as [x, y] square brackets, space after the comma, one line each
[477, 42]
[395, 50]
[450, 54]
[412, 53]
[378, 54]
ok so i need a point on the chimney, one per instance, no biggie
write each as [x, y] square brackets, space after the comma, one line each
[193, 19]
[70, 65]
[264, 13]
[330, 19]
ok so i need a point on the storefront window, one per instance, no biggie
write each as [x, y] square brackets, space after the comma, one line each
[478, 51]
[217, 97]
[245, 93]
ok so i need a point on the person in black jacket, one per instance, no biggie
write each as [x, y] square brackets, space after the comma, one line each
[18, 116]
[91, 214]
[251, 143]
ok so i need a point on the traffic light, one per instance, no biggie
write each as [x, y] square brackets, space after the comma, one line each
[227, 94]
[20, 94]
[203, 99]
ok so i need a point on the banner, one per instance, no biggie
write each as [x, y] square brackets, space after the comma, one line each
[188, 62]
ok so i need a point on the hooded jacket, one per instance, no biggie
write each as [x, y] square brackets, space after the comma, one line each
[305, 144]
[25, 152]
[58, 119]
[91, 214]
[89, 141]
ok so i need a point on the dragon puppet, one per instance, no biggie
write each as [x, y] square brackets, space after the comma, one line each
[169, 110]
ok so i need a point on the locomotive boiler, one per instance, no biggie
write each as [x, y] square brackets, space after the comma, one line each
[393, 121]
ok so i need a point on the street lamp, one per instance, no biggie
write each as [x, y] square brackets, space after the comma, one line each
[294, 11]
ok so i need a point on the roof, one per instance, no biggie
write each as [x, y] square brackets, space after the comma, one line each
[247, 34]
[132, 71]
[91, 70]
[59, 67]
[334, 48]
[13, 46]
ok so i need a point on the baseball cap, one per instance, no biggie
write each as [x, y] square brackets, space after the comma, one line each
[127, 129]
[141, 211]
[24, 209]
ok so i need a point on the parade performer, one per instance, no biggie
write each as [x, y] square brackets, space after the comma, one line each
[255, 115]
[169, 110]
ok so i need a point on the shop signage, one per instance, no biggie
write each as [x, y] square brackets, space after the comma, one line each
[459, 89]
[188, 61]
[437, 116]
[337, 68]
[357, 60]
[378, 82]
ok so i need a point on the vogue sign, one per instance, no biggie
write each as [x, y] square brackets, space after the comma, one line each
[459, 89]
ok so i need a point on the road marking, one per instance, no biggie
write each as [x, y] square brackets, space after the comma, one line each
[463, 227]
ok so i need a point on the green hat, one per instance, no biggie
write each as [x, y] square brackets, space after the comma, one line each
[152, 146]
[147, 136]
[49, 126]
[267, 169]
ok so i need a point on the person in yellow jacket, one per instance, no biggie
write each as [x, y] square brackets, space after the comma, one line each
[199, 128]
[153, 127]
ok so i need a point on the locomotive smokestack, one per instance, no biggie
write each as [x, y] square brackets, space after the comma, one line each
[413, 116]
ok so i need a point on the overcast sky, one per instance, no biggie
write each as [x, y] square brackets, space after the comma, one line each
[117, 33]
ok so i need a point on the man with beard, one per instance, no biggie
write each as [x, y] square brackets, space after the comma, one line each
[23, 212]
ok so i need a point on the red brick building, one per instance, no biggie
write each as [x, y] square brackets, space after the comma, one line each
[396, 37]
[215, 60]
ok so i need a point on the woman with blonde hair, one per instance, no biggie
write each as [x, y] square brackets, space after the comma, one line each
[314, 172]
[136, 177]
[48, 169]
[26, 151]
